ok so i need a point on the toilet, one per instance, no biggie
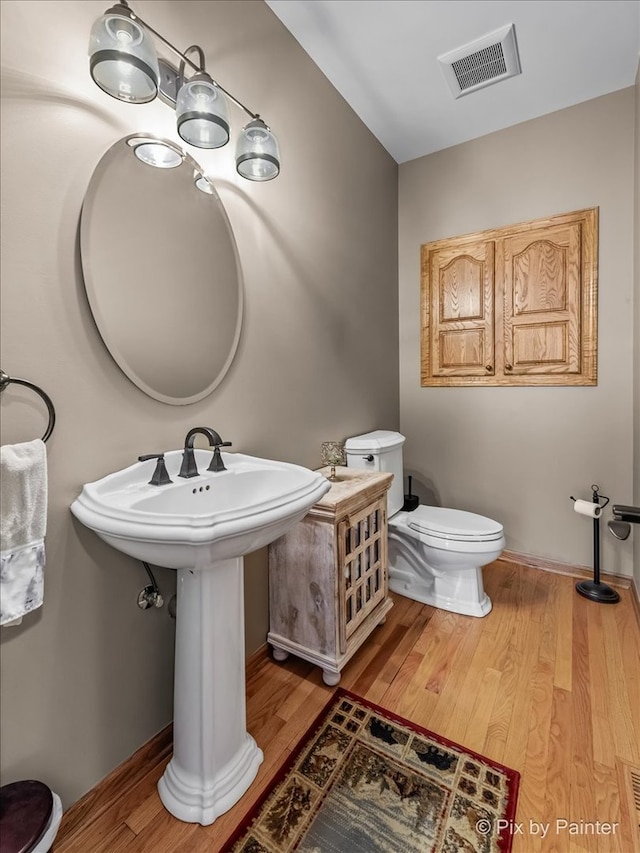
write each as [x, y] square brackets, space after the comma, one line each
[436, 554]
[30, 815]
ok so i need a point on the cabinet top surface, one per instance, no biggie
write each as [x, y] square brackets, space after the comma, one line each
[352, 483]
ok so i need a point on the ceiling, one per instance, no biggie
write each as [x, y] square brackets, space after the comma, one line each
[381, 55]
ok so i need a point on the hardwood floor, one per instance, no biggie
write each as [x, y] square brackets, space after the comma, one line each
[548, 683]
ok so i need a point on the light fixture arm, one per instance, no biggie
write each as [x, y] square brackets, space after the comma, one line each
[128, 11]
[236, 101]
[200, 51]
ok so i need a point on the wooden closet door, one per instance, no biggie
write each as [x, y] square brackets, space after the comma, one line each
[541, 273]
[458, 310]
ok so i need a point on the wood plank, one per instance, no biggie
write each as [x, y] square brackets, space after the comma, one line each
[564, 636]
[534, 777]
[130, 780]
[625, 626]
[115, 811]
[607, 809]
[475, 733]
[582, 782]
[515, 748]
[626, 725]
[163, 835]
[599, 692]
[557, 801]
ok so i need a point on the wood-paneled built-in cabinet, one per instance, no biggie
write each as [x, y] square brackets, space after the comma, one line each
[512, 306]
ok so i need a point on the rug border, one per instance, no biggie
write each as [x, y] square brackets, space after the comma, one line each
[505, 838]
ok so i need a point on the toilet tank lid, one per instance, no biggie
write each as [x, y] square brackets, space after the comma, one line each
[378, 440]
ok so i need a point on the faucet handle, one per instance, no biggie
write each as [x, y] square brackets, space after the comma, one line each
[188, 468]
[216, 463]
[160, 475]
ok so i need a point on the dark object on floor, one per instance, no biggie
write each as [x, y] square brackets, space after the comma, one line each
[25, 811]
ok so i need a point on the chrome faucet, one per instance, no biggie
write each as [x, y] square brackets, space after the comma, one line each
[189, 467]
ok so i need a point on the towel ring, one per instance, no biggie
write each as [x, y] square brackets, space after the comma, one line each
[7, 380]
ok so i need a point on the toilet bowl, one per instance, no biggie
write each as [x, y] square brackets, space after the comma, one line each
[436, 554]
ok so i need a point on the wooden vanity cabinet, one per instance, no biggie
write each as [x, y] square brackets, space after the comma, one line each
[328, 577]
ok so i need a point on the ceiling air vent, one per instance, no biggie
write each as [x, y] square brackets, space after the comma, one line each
[480, 63]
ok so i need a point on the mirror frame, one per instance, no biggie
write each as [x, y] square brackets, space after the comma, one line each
[92, 290]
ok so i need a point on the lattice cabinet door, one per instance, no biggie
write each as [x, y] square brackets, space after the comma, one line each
[328, 585]
[362, 566]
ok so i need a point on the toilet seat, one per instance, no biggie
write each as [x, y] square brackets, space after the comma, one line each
[454, 525]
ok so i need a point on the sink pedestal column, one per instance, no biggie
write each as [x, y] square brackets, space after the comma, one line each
[214, 759]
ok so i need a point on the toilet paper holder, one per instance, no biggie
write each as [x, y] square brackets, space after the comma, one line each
[595, 499]
[595, 590]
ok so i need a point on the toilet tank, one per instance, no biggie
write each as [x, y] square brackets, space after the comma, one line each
[380, 450]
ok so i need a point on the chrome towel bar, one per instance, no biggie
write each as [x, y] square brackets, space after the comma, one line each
[8, 380]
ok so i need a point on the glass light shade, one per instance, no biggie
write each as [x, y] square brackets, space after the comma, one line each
[257, 153]
[201, 109]
[122, 59]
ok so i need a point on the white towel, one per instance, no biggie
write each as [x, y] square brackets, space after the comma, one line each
[23, 525]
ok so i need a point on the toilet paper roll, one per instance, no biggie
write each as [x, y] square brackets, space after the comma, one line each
[589, 508]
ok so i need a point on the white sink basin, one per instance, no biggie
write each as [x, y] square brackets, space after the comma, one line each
[203, 526]
[191, 522]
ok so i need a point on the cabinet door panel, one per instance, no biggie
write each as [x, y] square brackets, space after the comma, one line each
[461, 348]
[461, 288]
[542, 300]
[460, 339]
[541, 344]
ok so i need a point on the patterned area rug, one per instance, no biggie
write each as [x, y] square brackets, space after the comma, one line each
[366, 781]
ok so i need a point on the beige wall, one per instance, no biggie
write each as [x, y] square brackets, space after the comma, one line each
[88, 677]
[517, 454]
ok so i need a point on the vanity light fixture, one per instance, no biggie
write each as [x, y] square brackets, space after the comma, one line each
[124, 64]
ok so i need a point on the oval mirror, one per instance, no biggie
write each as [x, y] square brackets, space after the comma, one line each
[161, 269]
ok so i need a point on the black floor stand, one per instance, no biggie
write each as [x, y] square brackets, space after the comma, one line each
[594, 590]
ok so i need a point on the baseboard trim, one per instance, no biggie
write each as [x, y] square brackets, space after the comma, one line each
[126, 775]
[116, 785]
[635, 598]
[547, 565]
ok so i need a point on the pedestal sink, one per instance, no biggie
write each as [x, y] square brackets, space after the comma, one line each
[202, 527]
